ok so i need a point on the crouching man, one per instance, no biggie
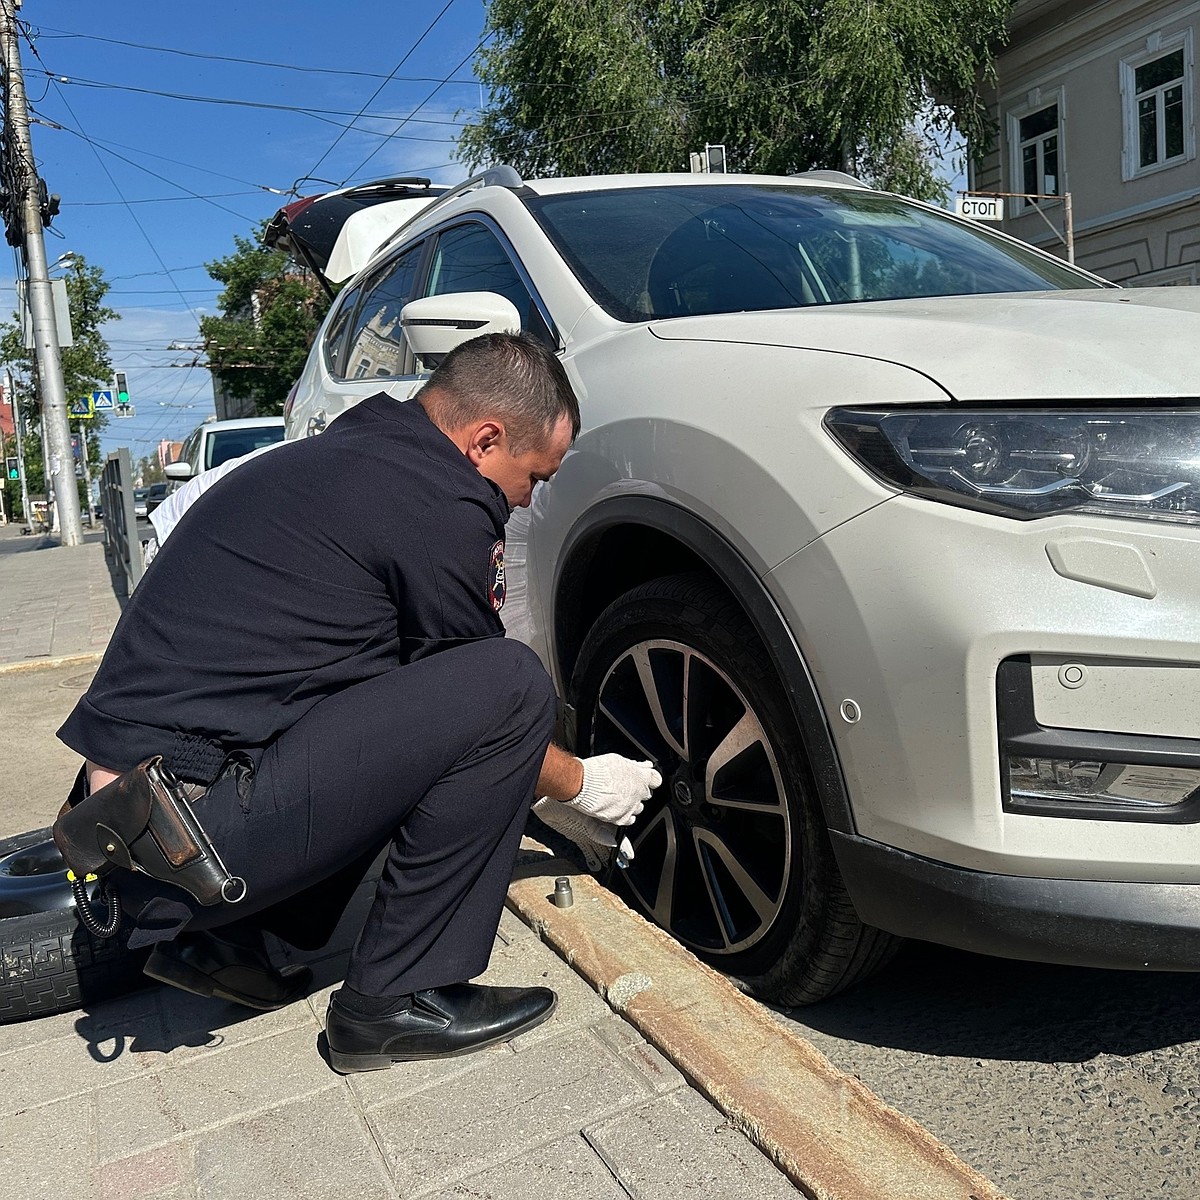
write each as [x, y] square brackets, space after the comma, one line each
[328, 614]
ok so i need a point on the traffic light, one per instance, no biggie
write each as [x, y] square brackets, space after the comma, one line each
[12, 468]
[122, 388]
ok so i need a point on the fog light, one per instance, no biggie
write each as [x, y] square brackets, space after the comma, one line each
[1066, 781]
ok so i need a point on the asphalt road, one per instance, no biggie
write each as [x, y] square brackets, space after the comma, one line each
[1058, 1083]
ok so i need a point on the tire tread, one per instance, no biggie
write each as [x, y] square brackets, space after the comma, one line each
[50, 964]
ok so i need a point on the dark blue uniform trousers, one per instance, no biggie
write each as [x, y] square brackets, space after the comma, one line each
[437, 760]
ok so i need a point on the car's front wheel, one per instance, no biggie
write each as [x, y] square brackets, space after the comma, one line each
[732, 855]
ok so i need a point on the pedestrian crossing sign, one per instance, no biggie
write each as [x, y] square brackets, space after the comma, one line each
[81, 410]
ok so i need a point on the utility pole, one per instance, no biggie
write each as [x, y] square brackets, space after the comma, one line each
[29, 211]
[11, 391]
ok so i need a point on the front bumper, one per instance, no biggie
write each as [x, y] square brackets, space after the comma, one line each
[1076, 922]
[908, 611]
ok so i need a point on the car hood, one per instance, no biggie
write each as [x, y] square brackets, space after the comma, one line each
[1106, 344]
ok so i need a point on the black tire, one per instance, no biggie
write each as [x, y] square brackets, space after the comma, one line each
[48, 962]
[754, 891]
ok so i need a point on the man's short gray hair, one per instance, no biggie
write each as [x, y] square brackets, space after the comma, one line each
[512, 376]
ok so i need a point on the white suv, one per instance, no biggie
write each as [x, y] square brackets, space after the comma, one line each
[882, 538]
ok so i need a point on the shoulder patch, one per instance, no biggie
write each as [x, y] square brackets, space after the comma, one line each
[496, 584]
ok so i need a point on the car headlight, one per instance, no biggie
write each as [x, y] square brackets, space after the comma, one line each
[1026, 463]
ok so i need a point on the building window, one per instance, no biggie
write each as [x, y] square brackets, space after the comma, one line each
[1156, 88]
[1159, 92]
[1038, 148]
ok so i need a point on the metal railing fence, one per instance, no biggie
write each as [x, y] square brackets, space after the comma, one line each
[121, 541]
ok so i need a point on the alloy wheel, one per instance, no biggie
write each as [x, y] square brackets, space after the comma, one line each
[715, 842]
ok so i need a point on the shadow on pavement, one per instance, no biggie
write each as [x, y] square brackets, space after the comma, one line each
[938, 1001]
[155, 1018]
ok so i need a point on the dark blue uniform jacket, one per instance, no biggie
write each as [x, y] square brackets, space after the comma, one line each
[309, 569]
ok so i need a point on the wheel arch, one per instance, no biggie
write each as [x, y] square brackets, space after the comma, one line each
[628, 540]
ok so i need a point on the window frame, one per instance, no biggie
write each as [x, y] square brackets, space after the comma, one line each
[347, 302]
[189, 452]
[1037, 101]
[365, 285]
[478, 218]
[1156, 46]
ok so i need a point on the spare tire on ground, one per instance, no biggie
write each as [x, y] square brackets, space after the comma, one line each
[48, 962]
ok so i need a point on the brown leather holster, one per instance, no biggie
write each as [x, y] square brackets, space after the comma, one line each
[143, 821]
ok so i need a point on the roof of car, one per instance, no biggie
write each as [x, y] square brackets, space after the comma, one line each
[602, 183]
[243, 423]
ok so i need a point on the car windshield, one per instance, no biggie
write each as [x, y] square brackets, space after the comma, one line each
[225, 444]
[716, 248]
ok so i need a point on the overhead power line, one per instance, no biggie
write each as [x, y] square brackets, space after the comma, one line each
[151, 200]
[51, 34]
[319, 114]
[96, 147]
[108, 142]
[169, 270]
[425, 33]
[116, 188]
[416, 110]
[47, 32]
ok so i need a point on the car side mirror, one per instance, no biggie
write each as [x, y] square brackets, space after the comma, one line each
[178, 470]
[434, 325]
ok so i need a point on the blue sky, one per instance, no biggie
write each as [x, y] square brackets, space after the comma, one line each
[153, 186]
[130, 164]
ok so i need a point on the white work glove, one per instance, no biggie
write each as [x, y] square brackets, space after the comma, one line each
[594, 838]
[615, 789]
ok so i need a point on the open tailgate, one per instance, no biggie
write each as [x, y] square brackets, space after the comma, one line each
[335, 234]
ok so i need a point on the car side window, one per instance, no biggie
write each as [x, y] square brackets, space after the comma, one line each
[376, 346]
[190, 453]
[470, 258]
[335, 335]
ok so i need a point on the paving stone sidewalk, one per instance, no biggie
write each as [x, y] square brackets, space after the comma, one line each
[163, 1096]
[54, 600]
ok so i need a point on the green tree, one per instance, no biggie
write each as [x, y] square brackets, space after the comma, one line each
[785, 85]
[270, 311]
[149, 470]
[86, 367]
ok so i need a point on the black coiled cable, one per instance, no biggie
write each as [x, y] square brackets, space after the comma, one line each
[108, 895]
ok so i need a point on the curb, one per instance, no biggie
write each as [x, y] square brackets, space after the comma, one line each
[92, 658]
[828, 1133]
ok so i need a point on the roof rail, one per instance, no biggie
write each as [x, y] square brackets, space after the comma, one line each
[499, 176]
[830, 177]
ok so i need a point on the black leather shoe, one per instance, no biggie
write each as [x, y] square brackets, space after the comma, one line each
[442, 1023]
[208, 965]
